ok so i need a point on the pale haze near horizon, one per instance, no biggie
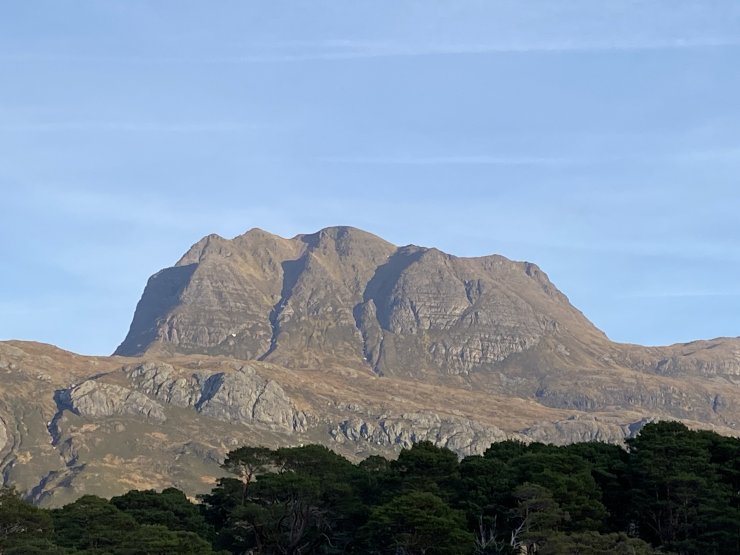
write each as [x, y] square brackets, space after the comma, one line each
[596, 139]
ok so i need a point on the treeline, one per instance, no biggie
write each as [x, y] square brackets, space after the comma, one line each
[671, 491]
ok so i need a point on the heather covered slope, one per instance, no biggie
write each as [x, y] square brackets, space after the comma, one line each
[72, 425]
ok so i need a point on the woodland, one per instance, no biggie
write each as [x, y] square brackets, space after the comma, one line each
[668, 490]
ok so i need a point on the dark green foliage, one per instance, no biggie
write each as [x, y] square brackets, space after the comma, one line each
[170, 508]
[593, 543]
[505, 451]
[309, 503]
[417, 523]
[671, 491]
[568, 478]
[91, 523]
[156, 539]
[537, 514]
[22, 526]
[608, 465]
[426, 467]
[35, 546]
[681, 498]
[247, 462]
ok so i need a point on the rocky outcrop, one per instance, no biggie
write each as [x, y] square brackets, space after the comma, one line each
[95, 399]
[191, 307]
[425, 309]
[238, 396]
[703, 402]
[245, 397]
[161, 381]
[3, 435]
[583, 428]
[464, 436]
[468, 437]
[715, 358]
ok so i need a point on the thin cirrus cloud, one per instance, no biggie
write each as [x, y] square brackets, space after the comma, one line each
[524, 161]
[452, 160]
[388, 48]
[350, 50]
[148, 127]
[687, 294]
[335, 49]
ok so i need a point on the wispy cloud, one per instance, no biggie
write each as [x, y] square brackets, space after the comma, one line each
[450, 160]
[146, 127]
[344, 50]
[338, 50]
[698, 294]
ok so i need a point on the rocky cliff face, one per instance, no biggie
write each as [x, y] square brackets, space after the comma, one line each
[350, 296]
[339, 338]
[239, 396]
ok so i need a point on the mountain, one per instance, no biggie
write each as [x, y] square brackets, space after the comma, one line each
[349, 296]
[341, 338]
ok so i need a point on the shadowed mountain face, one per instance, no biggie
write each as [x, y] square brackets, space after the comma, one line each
[345, 295]
[343, 339]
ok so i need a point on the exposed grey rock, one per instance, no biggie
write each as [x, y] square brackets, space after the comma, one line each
[94, 399]
[161, 381]
[578, 429]
[699, 358]
[3, 435]
[244, 396]
[461, 435]
[239, 396]
[689, 403]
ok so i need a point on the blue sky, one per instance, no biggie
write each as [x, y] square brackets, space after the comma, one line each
[600, 140]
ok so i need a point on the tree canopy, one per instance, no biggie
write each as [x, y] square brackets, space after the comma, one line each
[669, 490]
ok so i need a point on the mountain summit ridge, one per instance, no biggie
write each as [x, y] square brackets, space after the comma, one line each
[353, 296]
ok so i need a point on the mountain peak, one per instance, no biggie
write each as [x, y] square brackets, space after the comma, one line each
[346, 295]
[340, 234]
